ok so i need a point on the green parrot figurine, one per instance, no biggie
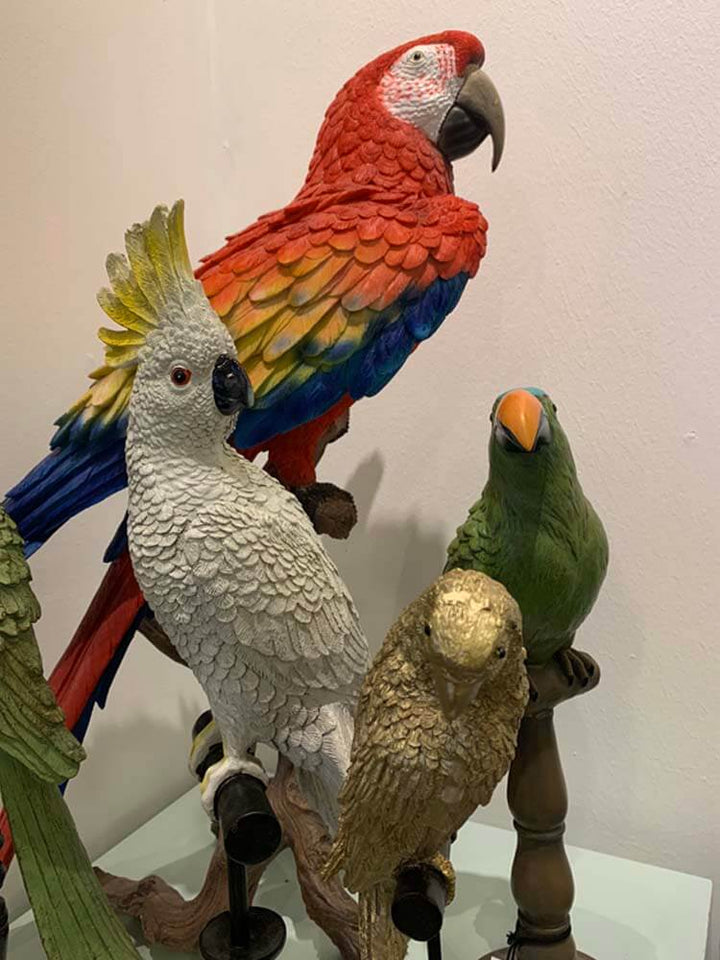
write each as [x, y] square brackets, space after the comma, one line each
[534, 530]
[37, 753]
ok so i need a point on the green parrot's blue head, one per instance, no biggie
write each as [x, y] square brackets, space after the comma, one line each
[526, 438]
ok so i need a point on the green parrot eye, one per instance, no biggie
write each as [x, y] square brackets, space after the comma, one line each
[428, 629]
[554, 408]
[501, 653]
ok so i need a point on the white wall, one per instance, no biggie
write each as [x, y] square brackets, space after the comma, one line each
[600, 285]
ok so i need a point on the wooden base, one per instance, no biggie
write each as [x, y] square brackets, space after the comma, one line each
[167, 918]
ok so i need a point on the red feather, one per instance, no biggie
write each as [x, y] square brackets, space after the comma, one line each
[111, 614]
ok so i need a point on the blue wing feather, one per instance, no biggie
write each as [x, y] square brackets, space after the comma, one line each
[363, 375]
[82, 472]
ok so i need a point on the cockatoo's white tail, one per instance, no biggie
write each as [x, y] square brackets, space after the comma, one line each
[321, 785]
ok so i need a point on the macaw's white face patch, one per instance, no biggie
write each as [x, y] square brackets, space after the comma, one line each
[421, 86]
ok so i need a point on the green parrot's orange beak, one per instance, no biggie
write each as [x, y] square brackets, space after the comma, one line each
[522, 415]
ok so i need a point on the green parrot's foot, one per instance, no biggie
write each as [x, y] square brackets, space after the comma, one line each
[331, 510]
[578, 667]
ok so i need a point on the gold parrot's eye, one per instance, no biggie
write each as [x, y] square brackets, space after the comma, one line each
[428, 629]
[180, 376]
[500, 653]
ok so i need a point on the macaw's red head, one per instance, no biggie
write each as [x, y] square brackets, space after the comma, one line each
[402, 119]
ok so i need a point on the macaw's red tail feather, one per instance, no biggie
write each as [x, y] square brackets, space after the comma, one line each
[7, 851]
[79, 680]
[86, 670]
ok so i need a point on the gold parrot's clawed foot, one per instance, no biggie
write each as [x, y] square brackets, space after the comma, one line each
[577, 667]
[331, 509]
[226, 768]
[444, 867]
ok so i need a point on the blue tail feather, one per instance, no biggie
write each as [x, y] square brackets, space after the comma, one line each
[65, 483]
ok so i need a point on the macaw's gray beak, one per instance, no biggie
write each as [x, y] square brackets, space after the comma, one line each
[231, 387]
[454, 697]
[476, 114]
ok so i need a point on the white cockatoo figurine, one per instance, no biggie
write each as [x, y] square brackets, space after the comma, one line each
[225, 556]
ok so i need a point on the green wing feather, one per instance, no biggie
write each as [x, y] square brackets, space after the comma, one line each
[475, 547]
[32, 726]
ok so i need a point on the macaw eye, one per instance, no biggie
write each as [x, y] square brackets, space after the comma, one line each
[180, 376]
[417, 56]
[428, 629]
[501, 653]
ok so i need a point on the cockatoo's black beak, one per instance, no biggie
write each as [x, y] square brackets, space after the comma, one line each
[476, 114]
[231, 387]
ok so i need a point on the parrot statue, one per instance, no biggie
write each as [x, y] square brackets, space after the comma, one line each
[435, 731]
[37, 752]
[225, 555]
[325, 300]
[534, 530]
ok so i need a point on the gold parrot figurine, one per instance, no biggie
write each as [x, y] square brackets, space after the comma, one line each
[435, 730]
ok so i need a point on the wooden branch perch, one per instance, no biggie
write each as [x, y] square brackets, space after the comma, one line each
[167, 918]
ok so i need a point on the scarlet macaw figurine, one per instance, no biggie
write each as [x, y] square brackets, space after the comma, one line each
[325, 300]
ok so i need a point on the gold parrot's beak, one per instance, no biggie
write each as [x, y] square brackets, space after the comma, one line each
[522, 422]
[476, 114]
[454, 697]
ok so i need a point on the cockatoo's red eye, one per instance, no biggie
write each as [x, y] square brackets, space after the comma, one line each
[181, 376]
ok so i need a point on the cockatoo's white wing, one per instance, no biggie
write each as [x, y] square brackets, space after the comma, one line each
[266, 575]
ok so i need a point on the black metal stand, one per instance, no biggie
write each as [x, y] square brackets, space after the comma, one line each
[251, 834]
[4, 929]
[419, 904]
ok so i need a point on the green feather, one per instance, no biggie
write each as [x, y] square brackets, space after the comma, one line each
[73, 916]
[32, 727]
[37, 752]
[534, 530]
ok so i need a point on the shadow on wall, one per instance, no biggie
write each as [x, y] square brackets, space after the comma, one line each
[387, 563]
[165, 775]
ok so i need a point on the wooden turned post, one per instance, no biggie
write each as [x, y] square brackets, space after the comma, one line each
[542, 882]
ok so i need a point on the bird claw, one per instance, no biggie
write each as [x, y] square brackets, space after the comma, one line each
[445, 868]
[330, 509]
[576, 666]
[226, 768]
